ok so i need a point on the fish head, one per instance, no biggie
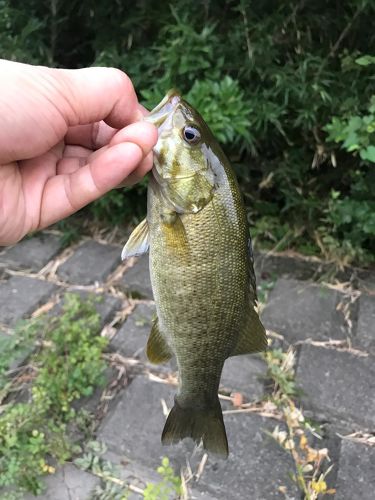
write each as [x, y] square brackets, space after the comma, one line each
[183, 154]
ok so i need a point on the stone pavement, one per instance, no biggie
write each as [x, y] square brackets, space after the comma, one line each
[332, 329]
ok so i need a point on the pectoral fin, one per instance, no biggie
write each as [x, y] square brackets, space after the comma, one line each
[138, 242]
[158, 350]
[252, 338]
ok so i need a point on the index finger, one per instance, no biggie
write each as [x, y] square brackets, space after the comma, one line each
[94, 135]
[94, 94]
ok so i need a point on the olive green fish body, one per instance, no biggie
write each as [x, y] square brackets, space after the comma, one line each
[200, 280]
[201, 270]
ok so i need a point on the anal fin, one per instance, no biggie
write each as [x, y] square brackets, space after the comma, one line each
[158, 350]
[253, 337]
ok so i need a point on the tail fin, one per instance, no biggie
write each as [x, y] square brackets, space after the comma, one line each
[206, 424]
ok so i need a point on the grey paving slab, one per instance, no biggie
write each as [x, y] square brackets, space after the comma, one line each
[356, 472]
[338, 384]
[131, 339]
[20, 295]
[200, 495]
[255, 468]
[32, 253]
[91, 262]
[132, 428]
[270, 265]
[366, 281]
[138, 475]
[365, 335]
[136, 280]
[132, 472]
[300, 310]
[69, 483]
[244, 374]
[106, 305]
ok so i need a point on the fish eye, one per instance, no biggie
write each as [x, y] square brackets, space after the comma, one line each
[191, 134]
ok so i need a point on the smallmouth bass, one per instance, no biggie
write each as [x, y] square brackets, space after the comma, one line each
[201, 269]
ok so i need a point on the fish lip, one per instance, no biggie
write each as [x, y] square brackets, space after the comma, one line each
[160, 113]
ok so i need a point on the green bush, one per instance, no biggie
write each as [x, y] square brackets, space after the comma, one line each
[287, 88]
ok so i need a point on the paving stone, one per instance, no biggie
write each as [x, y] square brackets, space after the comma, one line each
[32, 253]
[365, 336]
[256, 467]
[338, 383]
[91, 262]
[268, 266]
[131, 471]
[244, 374]
[133, 427]
[299, 310]
[137, 475]
[69, 483]
[106, 305]
[356, 473]
[136, 280]
[271, 265]
[366, 281]
[131, 339]
[201, 495]
[20, 295]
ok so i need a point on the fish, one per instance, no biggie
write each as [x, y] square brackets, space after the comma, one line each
[201, 269]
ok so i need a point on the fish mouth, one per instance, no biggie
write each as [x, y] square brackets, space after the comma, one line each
[161, 112]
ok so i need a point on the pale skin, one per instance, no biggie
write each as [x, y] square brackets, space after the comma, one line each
[67, 137]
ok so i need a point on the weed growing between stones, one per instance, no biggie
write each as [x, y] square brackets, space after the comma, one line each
[114, 488]
[66, 366]
[308, 461]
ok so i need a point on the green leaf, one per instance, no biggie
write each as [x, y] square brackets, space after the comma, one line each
[368, 154]
[365, 60]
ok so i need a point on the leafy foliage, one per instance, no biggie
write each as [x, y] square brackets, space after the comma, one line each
[287, 88]
[33, 434]
[357, 133]
[14, 347]
[169, 485]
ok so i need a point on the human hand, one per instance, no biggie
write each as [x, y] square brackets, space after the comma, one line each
[66, 138]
